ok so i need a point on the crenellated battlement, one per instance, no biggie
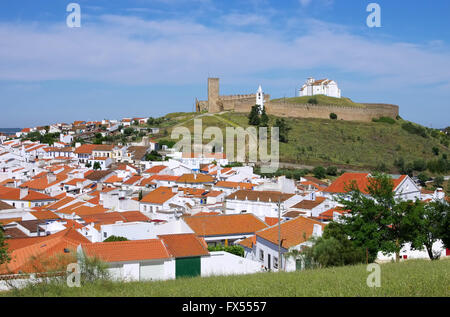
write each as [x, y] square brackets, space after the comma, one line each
[281, 108]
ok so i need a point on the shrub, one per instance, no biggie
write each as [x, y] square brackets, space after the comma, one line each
[233, 249]
[419, 165]
[381, 167]
[312, 101]
[115, 238]
[438, 181]
[414, 129]
[388, 120]
[423, 178]
[333, 116]
[319, 172]
[331, 170]
[435, 150]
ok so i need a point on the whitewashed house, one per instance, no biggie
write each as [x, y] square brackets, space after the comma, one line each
[325, 87]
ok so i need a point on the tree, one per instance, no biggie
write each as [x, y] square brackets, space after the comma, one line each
[115, 238]
[433, 221]
[97, 166]
[333, 116]
[438, 181]
[369, 217]
[283, 130]
[253, 117]
[264, 122]
[88, 165]
[4, 256]
[423, 178]
[319, 172]
[435, 150]
[140, 195]
[332, 170]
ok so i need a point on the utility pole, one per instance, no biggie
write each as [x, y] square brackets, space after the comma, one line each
[279, 235]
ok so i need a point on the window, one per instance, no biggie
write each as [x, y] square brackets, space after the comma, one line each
[261, 255]
[105, 234]
[275, 262]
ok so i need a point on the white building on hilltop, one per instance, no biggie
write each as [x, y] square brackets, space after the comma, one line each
[325, 87]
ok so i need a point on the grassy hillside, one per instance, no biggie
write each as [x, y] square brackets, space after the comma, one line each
[321, 100]
[410, 278]
[357, 145]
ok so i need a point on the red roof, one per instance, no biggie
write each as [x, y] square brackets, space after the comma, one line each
[122, 251]
[361, 180]
[158, 196]
[184, 245]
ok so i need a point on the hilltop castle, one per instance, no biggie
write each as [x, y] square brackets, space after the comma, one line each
[243, 103]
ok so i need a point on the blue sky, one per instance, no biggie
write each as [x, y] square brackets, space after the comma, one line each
[148, 58]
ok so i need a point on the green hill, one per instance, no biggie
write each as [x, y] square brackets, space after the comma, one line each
[346, 144]
[322, 100]
[410, 278]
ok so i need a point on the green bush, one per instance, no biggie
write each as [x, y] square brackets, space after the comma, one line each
[312, 101]
[332, 170]
[414, 129]
[233, 249]
[388, 120]
[115, 238]
[333, 116]
[319, 172]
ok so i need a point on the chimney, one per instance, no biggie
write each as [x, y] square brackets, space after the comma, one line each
[317, 230]
[51, 177]
[99, 187]
[23, 192]
[175, 189]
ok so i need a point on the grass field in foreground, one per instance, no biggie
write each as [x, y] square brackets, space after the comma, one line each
[410, 278]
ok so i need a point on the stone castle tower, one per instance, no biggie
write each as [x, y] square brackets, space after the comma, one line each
[217, 103]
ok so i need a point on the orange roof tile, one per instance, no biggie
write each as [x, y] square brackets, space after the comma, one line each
[158, 196]
[184, 245]
[293, 232]
[224, 224]
[123, 251]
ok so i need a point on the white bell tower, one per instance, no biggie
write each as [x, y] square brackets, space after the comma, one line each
[260, 98]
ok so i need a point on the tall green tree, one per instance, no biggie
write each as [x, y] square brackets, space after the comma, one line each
[97, 166]
[283, 129]
[366, 224]
[253, 117]
[264, 122]
[433, 223]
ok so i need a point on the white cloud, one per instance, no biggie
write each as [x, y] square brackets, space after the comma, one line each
[132, 50]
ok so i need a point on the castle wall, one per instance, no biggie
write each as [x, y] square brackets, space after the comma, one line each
[370, 111]
[213, 94]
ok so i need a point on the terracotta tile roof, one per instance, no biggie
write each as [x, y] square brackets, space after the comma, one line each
[122, 251]
[44, 214]
[293, 232]
[159, 196]
[271, 220]
[361, 180]
[104, 147]
[132, 180]
[5, 221]
[14, 233]
[309, 204]
[156, 169]
[75, 181]
[5, 206]
[315, 180]
[253, 195]
[294, 214]
[195, 178]
[14, 194]
[85, 149]
[60, 203]
[224, 224]
[43, 183]
[234, 185]
[113, 179]
[248, 242]
[27, 254]
[98, 175]
[86, 210]
[328, 214]
[184, 245]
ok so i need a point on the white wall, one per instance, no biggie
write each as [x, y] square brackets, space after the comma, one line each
[224, 263]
